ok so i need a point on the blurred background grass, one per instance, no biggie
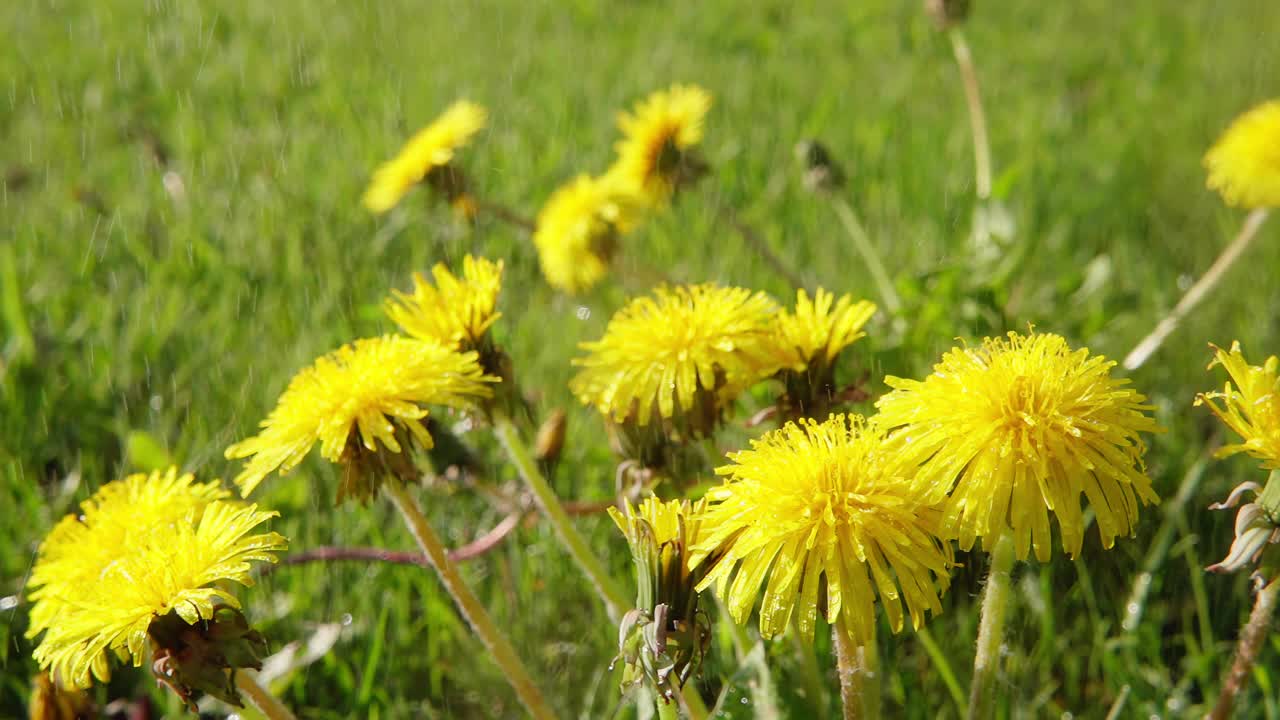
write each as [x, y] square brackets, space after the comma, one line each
[129, 308]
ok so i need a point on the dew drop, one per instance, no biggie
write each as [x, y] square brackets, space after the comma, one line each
[583, 312]
[346, 619]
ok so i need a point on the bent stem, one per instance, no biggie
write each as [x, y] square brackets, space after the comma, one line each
[497, 644]
[995, 604]
[1252, 636]
[859, 671]
[1203, 286]
[615, 601]
[862, 242]
[260, 697]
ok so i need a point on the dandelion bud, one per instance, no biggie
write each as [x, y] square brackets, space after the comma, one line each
[821, 173]
[203, 657]
[946, 13]
[550, 439]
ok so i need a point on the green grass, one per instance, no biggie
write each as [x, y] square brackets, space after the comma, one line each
[124, 311]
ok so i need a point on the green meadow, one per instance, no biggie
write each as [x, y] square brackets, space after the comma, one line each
[181, 231]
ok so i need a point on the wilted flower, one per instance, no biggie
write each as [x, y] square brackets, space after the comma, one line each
[1018, 428]
[362, 403]
[656, 155]
[1257, 524]
[665, 637]
[149, 558]
[1244, 165]
[428, 156]
[823, 507]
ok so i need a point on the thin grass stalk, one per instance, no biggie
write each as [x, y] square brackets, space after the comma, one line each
[610, 592]
[943, 666]
[977, 116]
[260, 697]
[470, 607]
[1252, 637]
[1207, 282]
[862, 243]
[995, 606]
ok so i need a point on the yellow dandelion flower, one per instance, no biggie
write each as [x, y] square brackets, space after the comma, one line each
[687, 350]
[1019, 428]
[1251, 407]
[1244, 165]
[369, 392]
[455, 312]
[430, 150]
[578, 231]
[122, 569]
[822, 504]
[818, 329]
[658, 137]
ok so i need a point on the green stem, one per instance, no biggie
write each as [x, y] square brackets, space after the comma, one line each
[1203, 286]
[995, 604]
[692, 703]
[943, 667]
[1252, 637]
[977, 117]
[862, 242]
[810, 675]
[497, 644]
[668, 709]
[260, 697]
[615, 601]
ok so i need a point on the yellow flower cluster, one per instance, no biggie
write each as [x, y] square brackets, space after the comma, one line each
[657, 137]
[430, 150]
[1251, 407]
[1244, 165]
[818, 329]
[140, 548]
[455, 312]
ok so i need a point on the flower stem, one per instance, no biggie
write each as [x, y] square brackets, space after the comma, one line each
[1192, 298]
[1252, 636]
[995, 603]
[691, 702]
[260, 697]
[668, 709]
[497, 644]
[858, 668]
[977, 117]
[862, 242]
[615, 601]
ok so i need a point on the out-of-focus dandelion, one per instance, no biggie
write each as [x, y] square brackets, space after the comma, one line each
[807, 341]
[828, 521]
[579, 230]
[145, 568]
[362, 403]
[50, 702]
[1244, 166]
[657, 154]
[1015, 429]
[664, 638]
[429, 157]
[677, 359]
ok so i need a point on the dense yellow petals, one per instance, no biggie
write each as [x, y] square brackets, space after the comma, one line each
[823, 504]
[141, 547]
[1244, 165]
[818, 329]
[432, 147]
[360, 393]
[1251, 407]
[659, 352]
[579, 228]
[1019, 428]
[656, 134]
[455, 312]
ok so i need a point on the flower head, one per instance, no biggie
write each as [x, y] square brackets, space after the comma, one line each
[455, 312]
[143, 548]
[656, 154]
[370, 392]
[578, 231]
[1251, 407]
[1244, 165]
[1018, 428]
[428, 156]
[666, 635]
[683, 354]
[817, 505]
